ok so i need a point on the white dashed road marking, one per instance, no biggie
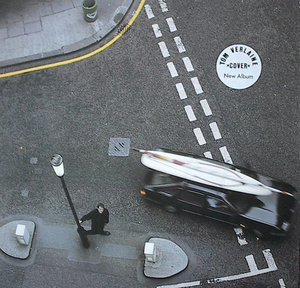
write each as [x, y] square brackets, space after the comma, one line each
[225, 155]
[205, 107]
[156, 30]
[208, 155]
[281, 283]
[172, 69]
[215, 130]
[171, 24]
[197, 85]
[179, 44]
[190, 113]
[164, 50]
[188, 64]
[163, 6]
[149, 11]
[181, 91]
[240, 236]
[199, 136]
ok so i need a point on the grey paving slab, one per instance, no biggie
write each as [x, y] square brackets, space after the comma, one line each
[120, 251]
[15, 29]
[59, 6]
[3, 33]
[3, 22]
[45, 9]
[31, 13]
[33, 27]
[12, 15]
[77, 3]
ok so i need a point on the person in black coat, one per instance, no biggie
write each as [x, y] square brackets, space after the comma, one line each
[99, 218]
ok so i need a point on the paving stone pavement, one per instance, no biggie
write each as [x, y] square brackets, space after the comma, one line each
[37, 29]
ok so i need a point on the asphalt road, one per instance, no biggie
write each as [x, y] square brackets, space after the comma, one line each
[128, 91]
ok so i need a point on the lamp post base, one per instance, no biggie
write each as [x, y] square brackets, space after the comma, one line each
[83, 237]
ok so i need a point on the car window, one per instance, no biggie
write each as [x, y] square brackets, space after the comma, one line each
[243, 202]
[217, 205]
[169, 191]
[162, 178]
[192, 198]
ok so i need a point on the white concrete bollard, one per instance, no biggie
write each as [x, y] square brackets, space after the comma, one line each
[22, 234]
[150, 252]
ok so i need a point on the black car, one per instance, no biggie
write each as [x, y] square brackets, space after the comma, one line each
[264, 214]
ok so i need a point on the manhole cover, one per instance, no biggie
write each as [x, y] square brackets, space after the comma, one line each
[119, 147]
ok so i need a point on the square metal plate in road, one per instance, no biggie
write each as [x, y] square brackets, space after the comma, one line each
[119, 147]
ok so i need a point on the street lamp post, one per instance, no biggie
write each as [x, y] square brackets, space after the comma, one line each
[58, 166]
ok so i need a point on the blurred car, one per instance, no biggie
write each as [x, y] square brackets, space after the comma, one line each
[221, 191]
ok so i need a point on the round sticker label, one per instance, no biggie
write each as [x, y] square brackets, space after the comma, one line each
[238, 66]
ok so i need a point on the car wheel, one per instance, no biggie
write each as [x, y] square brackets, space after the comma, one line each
[258, 233]
[170, 208]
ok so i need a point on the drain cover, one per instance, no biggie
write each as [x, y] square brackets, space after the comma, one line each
[119, 147]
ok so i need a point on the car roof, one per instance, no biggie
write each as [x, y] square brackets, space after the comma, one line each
[213, 173]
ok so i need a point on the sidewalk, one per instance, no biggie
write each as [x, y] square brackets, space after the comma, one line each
[123, 249]
[38, 29]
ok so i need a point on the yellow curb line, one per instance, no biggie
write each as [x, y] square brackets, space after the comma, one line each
[66, 62]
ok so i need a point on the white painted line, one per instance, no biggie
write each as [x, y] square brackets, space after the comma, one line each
[149, 11]
[179, 44]
[199, 136]
[225, 155]
[156, 30]
[171, 24]
[197, 85]
[271, 264]
[163, 6]
[281, 283]
[190, 113]
[205, 107]
[208, 155]
[270, 260]
[181, 91]
[251, 263]
[240, 236]
[188, 64]
[253, 272]
[172, 69]
[181, 285]
[163, 48]
[215, 130]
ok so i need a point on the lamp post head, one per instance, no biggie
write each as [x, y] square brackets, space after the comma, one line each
[58, 165]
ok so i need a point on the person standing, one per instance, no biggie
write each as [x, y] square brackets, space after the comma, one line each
[99, 218]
